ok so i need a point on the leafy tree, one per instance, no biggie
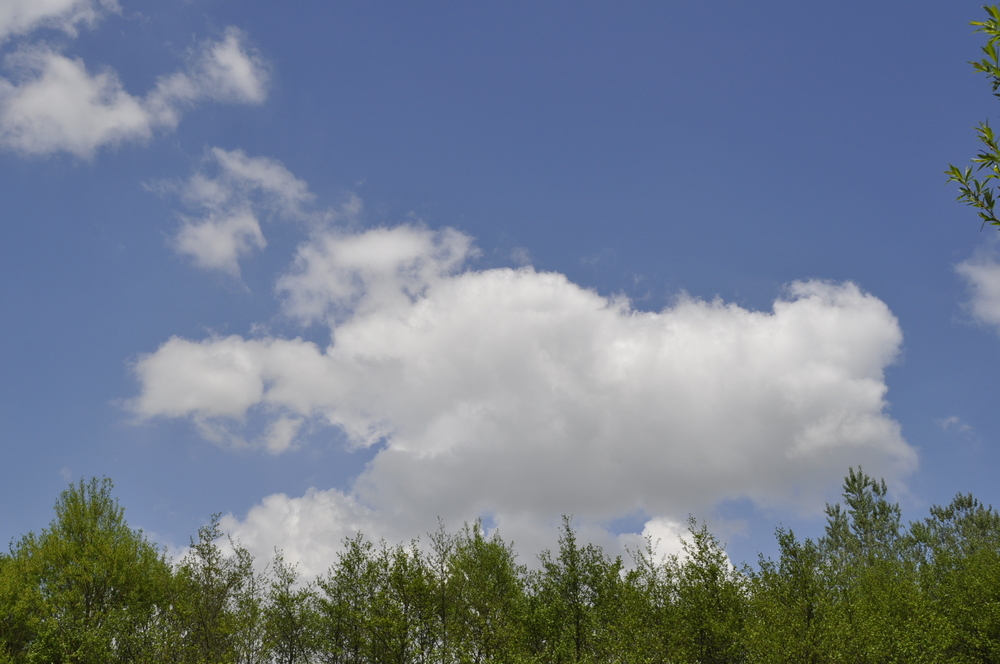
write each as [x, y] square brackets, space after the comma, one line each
[208, 591]
[18, 617]
[789, 604]
[86, 589]
[711, 598]
[650, 604]
[572, 608]
[958, 549]
[251, 641]
[402, 602]
[868, 529]
[973, 191]
[343, 604]
[445, 587]
[878, 611]
[290, 615]
[489, 598]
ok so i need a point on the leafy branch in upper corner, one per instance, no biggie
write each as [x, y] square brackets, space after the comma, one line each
[974, 191]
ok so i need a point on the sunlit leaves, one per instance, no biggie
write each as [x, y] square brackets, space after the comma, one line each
[975, 191]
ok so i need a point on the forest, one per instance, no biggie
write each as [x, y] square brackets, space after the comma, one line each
[88, 588]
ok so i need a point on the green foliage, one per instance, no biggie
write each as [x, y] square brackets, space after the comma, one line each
[487, 586]
[958, 552]
[973, 191]
[789, 605]
[290, 616]
[89, 589]
[573, 607]
[711, 598]
[877, 610]
[86, 589]
[650, 605]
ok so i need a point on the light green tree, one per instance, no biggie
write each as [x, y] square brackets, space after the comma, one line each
[343, 604]
[711, 598]
[488, 598]
[572, 610]
[291, 623]
[86, 589]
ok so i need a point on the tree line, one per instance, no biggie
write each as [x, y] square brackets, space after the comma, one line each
[88, 588]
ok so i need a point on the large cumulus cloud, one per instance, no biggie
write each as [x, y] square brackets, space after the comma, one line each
[517, 394]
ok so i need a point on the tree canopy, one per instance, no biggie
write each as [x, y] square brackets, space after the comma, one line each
[88, 588]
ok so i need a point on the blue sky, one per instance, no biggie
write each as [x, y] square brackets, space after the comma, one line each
[321, 267]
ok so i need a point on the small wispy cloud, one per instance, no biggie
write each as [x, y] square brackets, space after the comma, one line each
[520, 256]
[52, 103]
[229, 196]
[954, 422]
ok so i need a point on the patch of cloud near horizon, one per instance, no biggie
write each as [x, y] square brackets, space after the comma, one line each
[519, 395]
[51, 103]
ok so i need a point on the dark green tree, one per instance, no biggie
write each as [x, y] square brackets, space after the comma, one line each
[878, 610]
[209, 591]
[958, 550]
[788, 605]
[650, 605]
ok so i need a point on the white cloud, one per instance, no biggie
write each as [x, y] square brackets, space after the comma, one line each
[53, 103]
[224, 71]
[982, 273]
[229, 205]
[520, 395]
[23, 16]
[954, 421]
[521, 256]
[219, 242]
[280, 436]
[385, 268]
[308, 529]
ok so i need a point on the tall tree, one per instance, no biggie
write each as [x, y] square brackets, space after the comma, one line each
[879, 612]
[86, 589]
[711, 597]
[958, 550]
[209, 589]
[488, 600]
[344, 604]
[650, 604]
[572, 598]
[290, 615]
[789, 604]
